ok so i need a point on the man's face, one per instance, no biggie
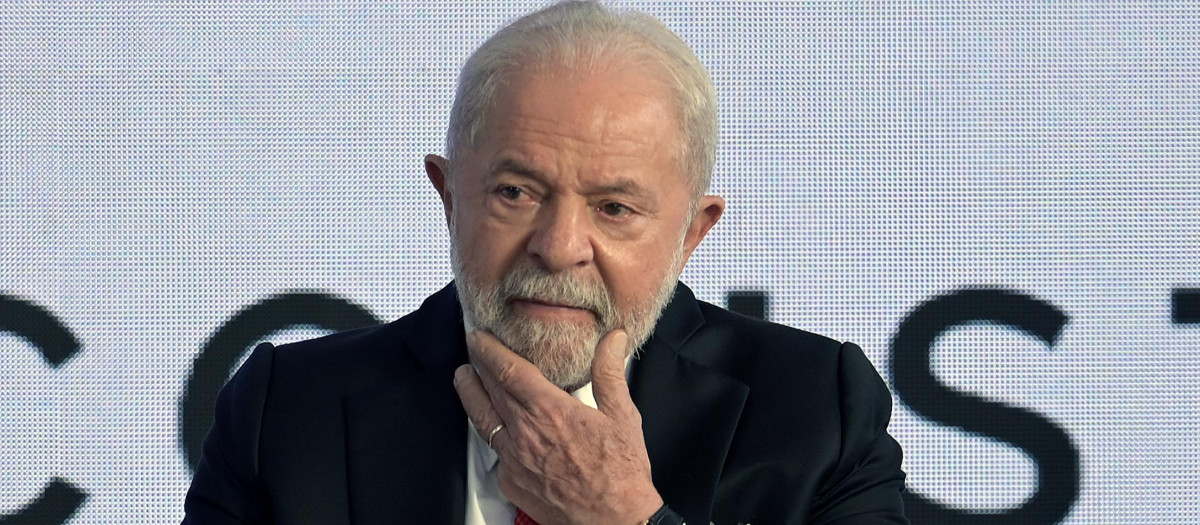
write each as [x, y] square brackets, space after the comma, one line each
[571, 215]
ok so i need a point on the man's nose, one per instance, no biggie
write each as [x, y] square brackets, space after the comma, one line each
[562, 238]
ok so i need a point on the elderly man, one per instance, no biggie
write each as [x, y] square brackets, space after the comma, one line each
[565, 376]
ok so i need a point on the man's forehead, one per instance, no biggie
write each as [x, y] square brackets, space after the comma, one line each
[586, 89]
[615, 112]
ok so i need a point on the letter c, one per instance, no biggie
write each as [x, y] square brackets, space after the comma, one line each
[59, 500]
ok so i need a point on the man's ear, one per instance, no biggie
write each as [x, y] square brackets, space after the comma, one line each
[708, 212]
[437, 167]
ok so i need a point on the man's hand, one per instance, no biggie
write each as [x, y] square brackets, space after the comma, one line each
[560, 460]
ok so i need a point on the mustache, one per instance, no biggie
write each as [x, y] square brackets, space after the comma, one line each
[532, 283]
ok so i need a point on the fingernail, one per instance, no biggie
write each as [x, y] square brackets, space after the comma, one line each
[460, 374]
[622, 340]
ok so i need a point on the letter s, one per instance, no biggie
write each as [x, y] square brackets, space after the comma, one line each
[1056, 458]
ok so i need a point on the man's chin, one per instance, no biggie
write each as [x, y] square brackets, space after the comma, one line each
[567, 376]
[571, 388]
[563, 352]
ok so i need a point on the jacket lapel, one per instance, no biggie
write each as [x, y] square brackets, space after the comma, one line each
[689, 412]
[406, 440]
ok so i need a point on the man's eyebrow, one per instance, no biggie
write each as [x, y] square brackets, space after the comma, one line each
[514, 167]
[621, 186]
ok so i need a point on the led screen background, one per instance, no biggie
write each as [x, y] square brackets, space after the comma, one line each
[169, 166]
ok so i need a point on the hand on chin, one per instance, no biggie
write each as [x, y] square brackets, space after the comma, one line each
[560, 461]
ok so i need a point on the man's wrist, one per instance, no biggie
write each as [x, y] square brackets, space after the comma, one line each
[664, 516]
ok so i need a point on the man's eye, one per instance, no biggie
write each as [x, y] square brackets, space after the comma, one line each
[614, 209]
[511, 193]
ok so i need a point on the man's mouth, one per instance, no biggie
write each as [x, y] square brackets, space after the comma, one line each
[549, 307]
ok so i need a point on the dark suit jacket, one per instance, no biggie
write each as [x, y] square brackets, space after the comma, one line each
[745, 421]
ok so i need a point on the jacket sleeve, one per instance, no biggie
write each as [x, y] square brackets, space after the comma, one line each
[865, 486]
[226, 488]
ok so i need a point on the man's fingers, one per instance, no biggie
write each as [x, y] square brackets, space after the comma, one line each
[608, 374]
[476, 401]
[506, 373]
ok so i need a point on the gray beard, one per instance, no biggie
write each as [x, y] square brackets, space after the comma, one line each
[562, 351]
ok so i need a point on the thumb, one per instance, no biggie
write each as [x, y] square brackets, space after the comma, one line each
[608, 373]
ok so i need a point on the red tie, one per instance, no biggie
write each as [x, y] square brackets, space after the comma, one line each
[523, 519]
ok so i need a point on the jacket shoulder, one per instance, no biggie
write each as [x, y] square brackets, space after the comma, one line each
[342, 360]
[813, 428]
[746, 344]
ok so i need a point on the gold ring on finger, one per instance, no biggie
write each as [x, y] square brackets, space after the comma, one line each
[492, 434]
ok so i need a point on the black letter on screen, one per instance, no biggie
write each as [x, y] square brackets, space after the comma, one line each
[1056, 458]
[245, 329]
[59, 500]
[751, 303]
[1185, 306]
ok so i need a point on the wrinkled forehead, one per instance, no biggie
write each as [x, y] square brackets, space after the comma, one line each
[622, 103]
[611, 113]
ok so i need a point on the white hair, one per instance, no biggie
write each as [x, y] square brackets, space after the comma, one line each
[579, 34]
